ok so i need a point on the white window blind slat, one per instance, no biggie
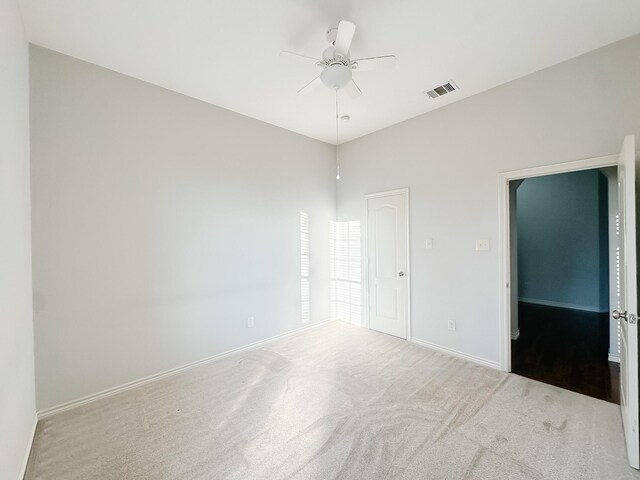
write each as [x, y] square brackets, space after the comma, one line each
[345, 271]
[305, 261]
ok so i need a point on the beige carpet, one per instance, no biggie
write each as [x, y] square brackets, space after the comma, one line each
[336, 402]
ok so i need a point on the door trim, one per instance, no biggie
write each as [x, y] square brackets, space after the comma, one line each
[503, 237]
[365, 236]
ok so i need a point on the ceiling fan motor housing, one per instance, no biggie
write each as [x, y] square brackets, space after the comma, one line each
[330, 56]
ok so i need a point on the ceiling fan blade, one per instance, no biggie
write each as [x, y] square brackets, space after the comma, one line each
[344, 37]
[309, 87]
[374, 63]
[297, 58]
[352, 89]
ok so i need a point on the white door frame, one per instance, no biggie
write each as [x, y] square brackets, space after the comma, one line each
[504, 244]
[365, 235]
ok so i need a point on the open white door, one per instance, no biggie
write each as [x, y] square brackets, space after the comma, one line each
[626, 309]
[388, 252]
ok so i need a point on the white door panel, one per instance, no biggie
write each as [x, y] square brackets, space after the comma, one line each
[386, 304]
[385, 221]
[388, 276]
[626, 291]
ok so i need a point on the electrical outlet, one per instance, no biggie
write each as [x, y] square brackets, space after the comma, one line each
[451, 325]
[482, 245]
[428, 244]
[251, 322]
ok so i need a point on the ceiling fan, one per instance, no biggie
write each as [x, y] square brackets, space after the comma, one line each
[337, 66]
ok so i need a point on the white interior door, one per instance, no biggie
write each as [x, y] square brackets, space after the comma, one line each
[626, 309]
[388, 261]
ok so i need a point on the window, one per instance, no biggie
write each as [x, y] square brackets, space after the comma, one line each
[346, 274]
[618, 279]
[305, 303]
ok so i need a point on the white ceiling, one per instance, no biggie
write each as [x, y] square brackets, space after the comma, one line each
[226, 52]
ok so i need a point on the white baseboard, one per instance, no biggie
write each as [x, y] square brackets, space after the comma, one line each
[550, 303]
[515, 335]
[465, 356]
[27, 453]
[614, 358]
[167, 373]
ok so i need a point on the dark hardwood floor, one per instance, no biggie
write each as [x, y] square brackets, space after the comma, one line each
[566, 348]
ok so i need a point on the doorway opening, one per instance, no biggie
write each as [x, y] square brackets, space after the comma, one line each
[563, 242]
[623, 283]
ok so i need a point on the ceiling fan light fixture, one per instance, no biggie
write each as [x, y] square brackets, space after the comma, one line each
[336, 76]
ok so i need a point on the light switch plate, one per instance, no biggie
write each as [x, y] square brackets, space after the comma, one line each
[428, 244]
[482, 245]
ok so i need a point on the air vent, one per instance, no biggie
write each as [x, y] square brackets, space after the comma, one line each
[441, 90]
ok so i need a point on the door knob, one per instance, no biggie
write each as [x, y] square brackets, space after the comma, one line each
[618, 315]
[631, 318]
[401, 274]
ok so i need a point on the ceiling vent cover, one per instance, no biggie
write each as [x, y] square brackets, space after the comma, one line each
[441, 90]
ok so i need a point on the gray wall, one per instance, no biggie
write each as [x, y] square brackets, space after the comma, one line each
[17, 393]
[563, 241]
[450, 160]
[160, 223]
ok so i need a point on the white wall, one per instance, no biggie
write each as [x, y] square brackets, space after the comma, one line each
[160, 223]
[450, 159]
[17, 394]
